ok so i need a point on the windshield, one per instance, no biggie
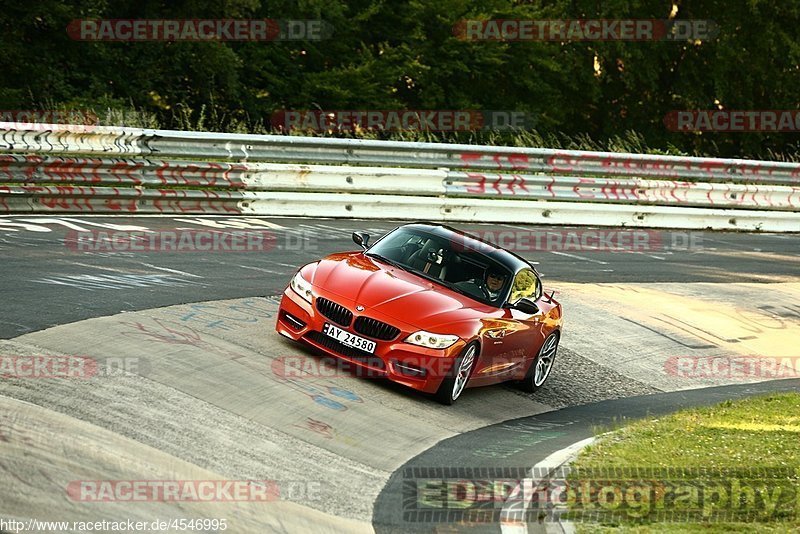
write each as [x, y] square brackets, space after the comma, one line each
[447, 263]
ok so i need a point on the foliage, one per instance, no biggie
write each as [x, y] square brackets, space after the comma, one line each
[404, 54]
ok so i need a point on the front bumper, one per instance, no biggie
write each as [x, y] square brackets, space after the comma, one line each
[417, 367]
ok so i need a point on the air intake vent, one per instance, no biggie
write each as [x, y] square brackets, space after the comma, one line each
[376, 329]
[293, 321]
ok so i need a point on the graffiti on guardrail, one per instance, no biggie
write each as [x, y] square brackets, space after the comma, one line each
[501, 161]
[89, 199]
[584, 188]
[650, 184]
[567, 162]
[47, 169]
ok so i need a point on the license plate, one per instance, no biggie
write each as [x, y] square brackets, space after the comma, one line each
[346, 338]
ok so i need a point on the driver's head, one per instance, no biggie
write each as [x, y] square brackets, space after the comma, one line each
[494, 281]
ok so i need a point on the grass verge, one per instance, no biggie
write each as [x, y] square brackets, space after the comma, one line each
[726, 468]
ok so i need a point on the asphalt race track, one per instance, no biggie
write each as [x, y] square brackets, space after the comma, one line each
[191, 379]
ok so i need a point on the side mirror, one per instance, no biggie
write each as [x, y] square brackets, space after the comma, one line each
[361, 239]
[526, 306]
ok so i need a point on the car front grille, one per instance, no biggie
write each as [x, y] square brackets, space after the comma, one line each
[375, 329]
[335, 312]
[349, 352]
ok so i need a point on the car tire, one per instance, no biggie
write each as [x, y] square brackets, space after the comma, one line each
[540, 368]
[456, 380]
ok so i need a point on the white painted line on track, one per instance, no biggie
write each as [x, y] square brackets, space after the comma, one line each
[321, 231]
[259, 269]
[512, 517]
[340, 230]
[173, 271]
[250, 267]
[575, 256]
[780, 236]
[281, 264]
[102, 268]
[648, 255]
[262, 222]
[73, 224]
[734, 245]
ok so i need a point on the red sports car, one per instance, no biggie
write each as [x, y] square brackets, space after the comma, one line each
[429, 307]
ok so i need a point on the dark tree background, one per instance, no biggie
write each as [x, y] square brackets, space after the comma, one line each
[403, 54]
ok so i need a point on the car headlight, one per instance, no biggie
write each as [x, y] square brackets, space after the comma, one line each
[301, 287]
[432, 341]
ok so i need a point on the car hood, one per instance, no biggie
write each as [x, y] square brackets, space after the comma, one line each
[359, 280]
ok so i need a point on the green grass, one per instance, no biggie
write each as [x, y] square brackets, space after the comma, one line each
[677, 528]
[208, 119]
[211, 118]
[760, 437]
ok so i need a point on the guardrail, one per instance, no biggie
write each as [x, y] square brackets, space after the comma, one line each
[121, 170]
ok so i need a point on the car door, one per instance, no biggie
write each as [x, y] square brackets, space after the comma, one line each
[523, 332]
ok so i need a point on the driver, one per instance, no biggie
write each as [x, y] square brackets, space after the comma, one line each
[494, 283]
